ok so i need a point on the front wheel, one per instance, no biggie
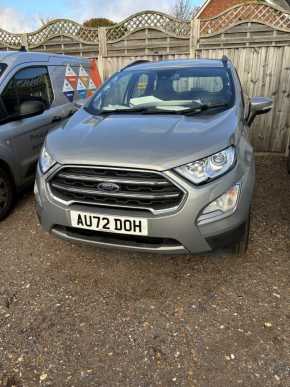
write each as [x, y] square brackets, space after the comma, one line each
[242, 247]
[7, 194]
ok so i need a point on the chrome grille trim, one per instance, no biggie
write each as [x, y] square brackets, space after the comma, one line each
[161, 195]
[112, 180]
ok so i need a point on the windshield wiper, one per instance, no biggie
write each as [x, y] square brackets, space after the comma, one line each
[121, 111]
[162, 111]
[141, 110]
[203, 107]
[155, 110]
[191, 111]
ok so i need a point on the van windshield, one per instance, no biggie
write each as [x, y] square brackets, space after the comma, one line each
[2, 68]
[173, 90]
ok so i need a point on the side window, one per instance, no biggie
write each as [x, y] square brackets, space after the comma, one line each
[209, 84]
[140, 86]
[31, 83]
[116, 92]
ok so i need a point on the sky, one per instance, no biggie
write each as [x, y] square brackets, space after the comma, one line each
[26, 15]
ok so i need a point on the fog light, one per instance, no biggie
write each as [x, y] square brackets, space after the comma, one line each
[222, 207]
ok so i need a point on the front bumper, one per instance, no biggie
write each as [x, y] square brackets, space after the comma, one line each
[176, 232]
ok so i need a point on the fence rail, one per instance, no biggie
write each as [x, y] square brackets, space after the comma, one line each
[256, 36]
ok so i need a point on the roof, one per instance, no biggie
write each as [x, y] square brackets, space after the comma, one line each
[177, 63]
[26, 56]
[202, 8]
[284, 4]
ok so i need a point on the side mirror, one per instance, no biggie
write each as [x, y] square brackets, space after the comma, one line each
[31, 108]
[258, 106]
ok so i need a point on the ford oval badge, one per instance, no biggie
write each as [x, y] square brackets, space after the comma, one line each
[108, 187]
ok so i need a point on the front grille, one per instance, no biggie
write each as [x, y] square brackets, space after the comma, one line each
[137, 189]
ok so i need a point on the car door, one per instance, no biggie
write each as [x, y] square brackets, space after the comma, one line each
[27, 135]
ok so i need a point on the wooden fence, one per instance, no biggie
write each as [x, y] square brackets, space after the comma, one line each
[255, 36]
[145, 33]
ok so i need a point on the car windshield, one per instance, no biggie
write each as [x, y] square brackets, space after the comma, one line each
[172, 90]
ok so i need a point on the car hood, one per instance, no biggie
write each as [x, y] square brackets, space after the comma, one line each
[158, 142]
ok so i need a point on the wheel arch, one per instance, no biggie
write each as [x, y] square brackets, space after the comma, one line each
[4, 165]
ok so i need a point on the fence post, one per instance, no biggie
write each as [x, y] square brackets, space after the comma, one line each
[102, 36]
[194, 36]
[24, 41]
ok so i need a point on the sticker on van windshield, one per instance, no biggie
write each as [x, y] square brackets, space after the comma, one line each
[81, 83]
[84, 76]
[82, 72]
[71, 76]
[91, 88]
[69, 71]
[81, 89]
[68, 90]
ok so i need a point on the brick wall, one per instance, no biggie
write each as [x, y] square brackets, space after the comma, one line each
[215, 7]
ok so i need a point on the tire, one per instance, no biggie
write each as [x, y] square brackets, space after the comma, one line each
[242, 247]
[7, 193]
[288, 164]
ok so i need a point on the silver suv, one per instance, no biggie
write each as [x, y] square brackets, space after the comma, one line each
[159, 161]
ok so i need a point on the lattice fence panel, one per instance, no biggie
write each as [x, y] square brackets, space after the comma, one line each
[9, 39]
[261, 13]
[149, 19]
[62, 27]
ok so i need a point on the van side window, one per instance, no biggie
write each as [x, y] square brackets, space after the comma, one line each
[31, 83]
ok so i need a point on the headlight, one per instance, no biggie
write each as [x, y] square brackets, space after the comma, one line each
[45, 160]
[208, 168]
[222, 207]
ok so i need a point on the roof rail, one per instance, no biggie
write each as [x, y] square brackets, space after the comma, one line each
[136, 62]
[225, 60]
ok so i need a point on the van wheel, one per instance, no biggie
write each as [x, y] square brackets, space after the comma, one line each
[242, 247]
[7, 194]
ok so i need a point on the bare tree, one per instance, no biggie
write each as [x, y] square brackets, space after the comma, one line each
[43, 21]
[184, 10]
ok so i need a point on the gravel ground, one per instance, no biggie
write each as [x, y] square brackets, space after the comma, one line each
[79, 316]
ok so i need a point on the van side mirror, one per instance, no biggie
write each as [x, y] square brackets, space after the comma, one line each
[31, 108]
[258, 106]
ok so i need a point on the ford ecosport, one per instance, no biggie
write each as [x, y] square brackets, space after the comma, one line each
[159, 161]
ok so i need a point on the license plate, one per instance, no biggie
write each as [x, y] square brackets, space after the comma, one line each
[108, 223]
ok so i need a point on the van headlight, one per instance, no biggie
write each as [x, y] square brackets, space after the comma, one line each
[209, 168]
[45, 161]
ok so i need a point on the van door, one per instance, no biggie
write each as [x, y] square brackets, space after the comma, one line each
[27, 135]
